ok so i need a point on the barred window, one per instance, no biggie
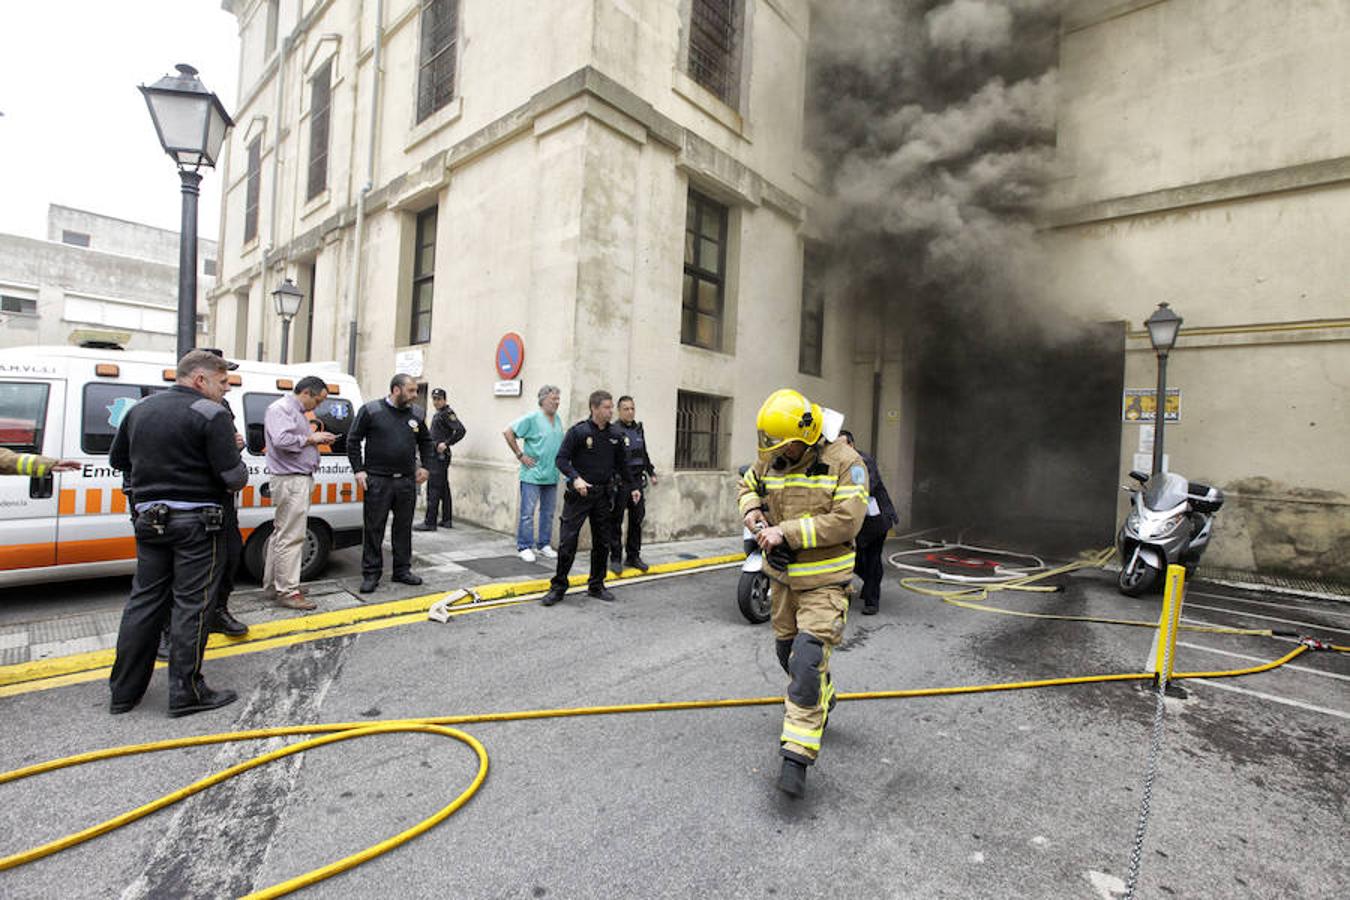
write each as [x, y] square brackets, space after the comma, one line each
[810, 349]
[320, 87]
[424, 277]
[705, 262]
[715, 47]
[253, 189]
[699, 439]
[436, 61]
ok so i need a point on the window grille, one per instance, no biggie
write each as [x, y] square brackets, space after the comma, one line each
[705, 261]
[811, 347]
[714, 47]
[319, 105]
[424, 277]
[253, 189]
[699, 441]
[436, 61]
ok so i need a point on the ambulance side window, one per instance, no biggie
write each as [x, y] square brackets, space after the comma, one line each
[23, 415]
[105, 406]
[336, 416]
[255, 412]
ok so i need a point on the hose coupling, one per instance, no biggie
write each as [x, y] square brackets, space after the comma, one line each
[1314, 643]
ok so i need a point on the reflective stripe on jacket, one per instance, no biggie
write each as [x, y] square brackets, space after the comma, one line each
[33, 465]
[820, 503]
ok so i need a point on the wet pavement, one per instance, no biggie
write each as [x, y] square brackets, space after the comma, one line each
[1017, 794]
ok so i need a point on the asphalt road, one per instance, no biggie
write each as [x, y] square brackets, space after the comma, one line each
[1025, 794]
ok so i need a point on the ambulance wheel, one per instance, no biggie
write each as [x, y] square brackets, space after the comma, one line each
[318, 544]
[752, 596]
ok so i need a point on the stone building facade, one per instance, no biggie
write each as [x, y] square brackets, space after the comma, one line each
[96, 277]
[620, 184]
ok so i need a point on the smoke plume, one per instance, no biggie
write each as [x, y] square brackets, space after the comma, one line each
[935, 124]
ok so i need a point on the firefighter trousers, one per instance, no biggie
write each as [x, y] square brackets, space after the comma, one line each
[807, 626]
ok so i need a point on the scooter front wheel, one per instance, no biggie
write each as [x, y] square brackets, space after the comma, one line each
[752, 596]
[1138, 579]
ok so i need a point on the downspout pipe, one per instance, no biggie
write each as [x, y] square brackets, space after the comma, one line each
[276, 181]
[354, 279]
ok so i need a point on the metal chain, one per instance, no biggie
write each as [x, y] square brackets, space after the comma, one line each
[1155, 749]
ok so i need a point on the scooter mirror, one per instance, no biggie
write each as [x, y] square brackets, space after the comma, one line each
[1140, 477]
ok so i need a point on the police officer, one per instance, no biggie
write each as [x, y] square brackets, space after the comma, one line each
[178, 451]
[640, 470]
[446, 431]
[385, 441]
[872, 538]
[592, 456]
[805, 498]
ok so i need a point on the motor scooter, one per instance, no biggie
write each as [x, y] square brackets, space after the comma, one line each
[1170, 523]
[752, 591]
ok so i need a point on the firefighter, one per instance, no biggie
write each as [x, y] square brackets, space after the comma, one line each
[33, 465]
[805, 498]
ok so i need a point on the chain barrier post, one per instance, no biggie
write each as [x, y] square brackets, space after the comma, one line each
[1161, 661]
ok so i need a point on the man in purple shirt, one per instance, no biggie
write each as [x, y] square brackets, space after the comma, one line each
[292, 456]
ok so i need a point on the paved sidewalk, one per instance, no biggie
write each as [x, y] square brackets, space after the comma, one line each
[462, 557]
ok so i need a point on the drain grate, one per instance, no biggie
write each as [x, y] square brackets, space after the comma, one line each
[1307, 587]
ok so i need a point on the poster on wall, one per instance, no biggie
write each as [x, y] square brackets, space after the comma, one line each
[1140, 405]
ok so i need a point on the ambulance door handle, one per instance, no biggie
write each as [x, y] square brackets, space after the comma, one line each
[40, 488]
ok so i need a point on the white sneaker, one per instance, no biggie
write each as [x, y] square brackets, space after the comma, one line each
[527, 555]
[548, 553]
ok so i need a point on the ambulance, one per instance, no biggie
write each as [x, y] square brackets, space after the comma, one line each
[66, 402]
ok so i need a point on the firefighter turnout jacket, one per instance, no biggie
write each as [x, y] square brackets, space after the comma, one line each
[33, 465]
[820, 503]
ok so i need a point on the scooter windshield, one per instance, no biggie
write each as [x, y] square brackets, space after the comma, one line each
[1165, 491]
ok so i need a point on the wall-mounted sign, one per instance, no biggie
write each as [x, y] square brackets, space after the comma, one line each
[506, 388]
[1142, 406]
[409, 362]
[510, 355]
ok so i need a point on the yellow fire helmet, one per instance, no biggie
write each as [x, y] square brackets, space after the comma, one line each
[787, 416]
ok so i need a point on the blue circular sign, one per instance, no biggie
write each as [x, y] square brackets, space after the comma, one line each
[510, 356]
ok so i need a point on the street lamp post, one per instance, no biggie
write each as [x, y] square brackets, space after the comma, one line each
[287, 299]
[1163, 326]
[191, 124]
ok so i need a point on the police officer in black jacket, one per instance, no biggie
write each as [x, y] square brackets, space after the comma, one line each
[871, 540]
[640, 470]
[385, 440]
[446, 431]
[178, 453]
[591, 458]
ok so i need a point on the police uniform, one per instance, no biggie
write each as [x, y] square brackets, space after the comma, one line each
[819, 502]
[871, 539]
[178, 452]
[446, 428]
[640, 468]
[598, 456]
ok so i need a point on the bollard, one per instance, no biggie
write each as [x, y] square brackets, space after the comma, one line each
[1162, 656]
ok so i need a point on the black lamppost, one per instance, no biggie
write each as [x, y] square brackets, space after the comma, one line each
[287, 298]
[1163, 326]
[191, 123]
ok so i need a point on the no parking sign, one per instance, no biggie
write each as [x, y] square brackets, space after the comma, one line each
[510, 356]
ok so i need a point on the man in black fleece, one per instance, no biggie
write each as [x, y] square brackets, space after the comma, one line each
[384, 443]
[179, 455]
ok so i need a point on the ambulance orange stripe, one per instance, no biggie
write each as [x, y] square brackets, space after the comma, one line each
[65, 505]
[332, 493]
[93, 502]
[26, 556]
[119, 501]
[316, 495]
[248, 496]
[103, 550]
[266, 501]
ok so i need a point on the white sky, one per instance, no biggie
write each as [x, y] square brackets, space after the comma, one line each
[75, 130]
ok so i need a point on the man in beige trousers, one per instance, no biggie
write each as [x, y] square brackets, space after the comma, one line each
[292, 456]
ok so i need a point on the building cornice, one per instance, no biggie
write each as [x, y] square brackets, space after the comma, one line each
[606, 97]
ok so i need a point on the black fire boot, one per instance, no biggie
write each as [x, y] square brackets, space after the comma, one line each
[792, 778]
[223, 622]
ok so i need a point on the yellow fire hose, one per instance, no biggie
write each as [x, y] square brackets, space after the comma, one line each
[441, 725]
